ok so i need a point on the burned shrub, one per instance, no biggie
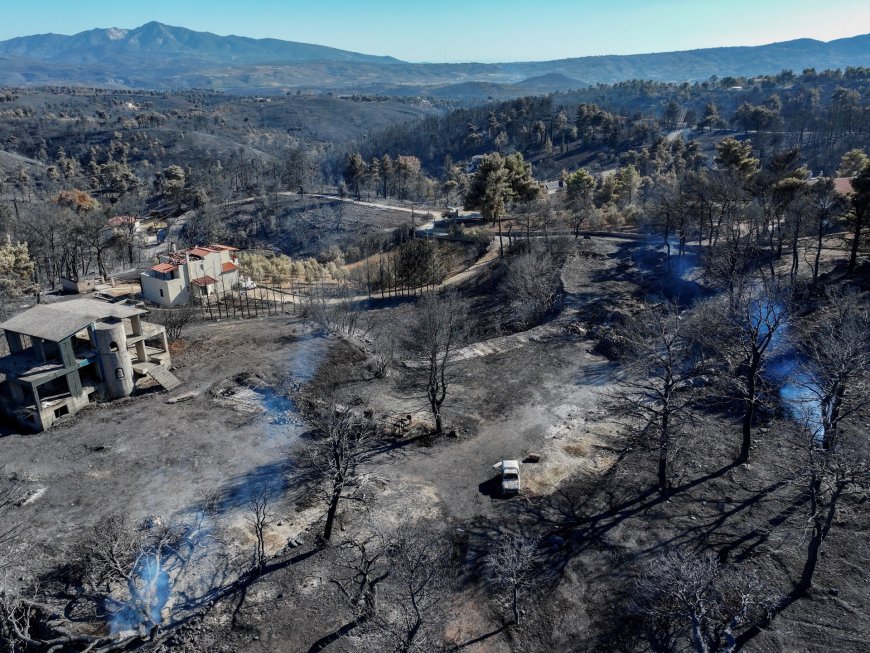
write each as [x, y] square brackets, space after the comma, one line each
[609, 342]
[692, 597]
[176, 320]
[532, 287]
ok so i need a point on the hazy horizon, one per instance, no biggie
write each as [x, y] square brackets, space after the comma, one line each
[557, 30]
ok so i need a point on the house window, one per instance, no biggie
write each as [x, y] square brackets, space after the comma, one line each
[113, 346]
[161, 292]
[119, 373]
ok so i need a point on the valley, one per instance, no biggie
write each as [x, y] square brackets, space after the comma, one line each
[312, 350]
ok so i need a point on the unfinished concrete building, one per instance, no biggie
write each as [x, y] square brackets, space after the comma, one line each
[64, 356]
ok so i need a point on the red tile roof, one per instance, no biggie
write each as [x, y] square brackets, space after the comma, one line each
[177, 258]
[224, 248]
[121, 220]
[200, 251]
[163, 268]
[204, 281]
[843, 185]
[229, 267]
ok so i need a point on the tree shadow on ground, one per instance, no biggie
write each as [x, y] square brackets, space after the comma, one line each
[570, 522]
[269, 479]
[598, 374]
[481, 638]
[642, 264]
[386, 445]
[11, 427]
[274, 479]
[708, 533]
[337, 634]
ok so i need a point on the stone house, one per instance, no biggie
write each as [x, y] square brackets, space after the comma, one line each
[196, 273]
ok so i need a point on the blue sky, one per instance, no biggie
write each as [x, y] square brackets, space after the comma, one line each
[466, 30]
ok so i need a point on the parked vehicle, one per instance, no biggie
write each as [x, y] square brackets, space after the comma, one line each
[510, 476]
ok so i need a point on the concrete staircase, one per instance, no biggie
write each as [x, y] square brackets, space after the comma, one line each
[164, 377]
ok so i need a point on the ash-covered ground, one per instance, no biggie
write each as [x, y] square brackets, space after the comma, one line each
[236, 428]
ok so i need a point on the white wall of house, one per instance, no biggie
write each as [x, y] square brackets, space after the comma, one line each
[230, 279]
[172, 292]
[108, 232]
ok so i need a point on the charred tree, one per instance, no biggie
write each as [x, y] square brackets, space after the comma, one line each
[437, 329]
[341, 445]
[660, 356]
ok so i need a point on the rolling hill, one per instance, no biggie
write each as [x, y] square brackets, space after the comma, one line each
[157, 56]
[161, 44]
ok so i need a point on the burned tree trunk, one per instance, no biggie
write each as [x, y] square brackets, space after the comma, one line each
[815, 541]
[752, 318]
[749, 401]
[664, 443]
[826, 486]
[334, 500]
[860, 206]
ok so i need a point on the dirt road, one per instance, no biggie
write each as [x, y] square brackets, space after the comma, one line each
[535, 391]
[421, 211]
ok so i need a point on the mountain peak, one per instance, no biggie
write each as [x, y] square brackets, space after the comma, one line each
[158, 43]
[116, 34]
[153, 27]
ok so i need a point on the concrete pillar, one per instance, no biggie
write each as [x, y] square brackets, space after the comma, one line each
[14, 340]
[74, 383]
[141, 353]
[136, 326]
[67, 355]
[38, 347]
[39, 421]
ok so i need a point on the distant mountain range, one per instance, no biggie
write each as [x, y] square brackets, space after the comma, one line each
[157, 56]
[155, 43]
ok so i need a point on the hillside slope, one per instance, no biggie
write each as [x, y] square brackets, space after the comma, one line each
[157, 56]
[158, 43]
